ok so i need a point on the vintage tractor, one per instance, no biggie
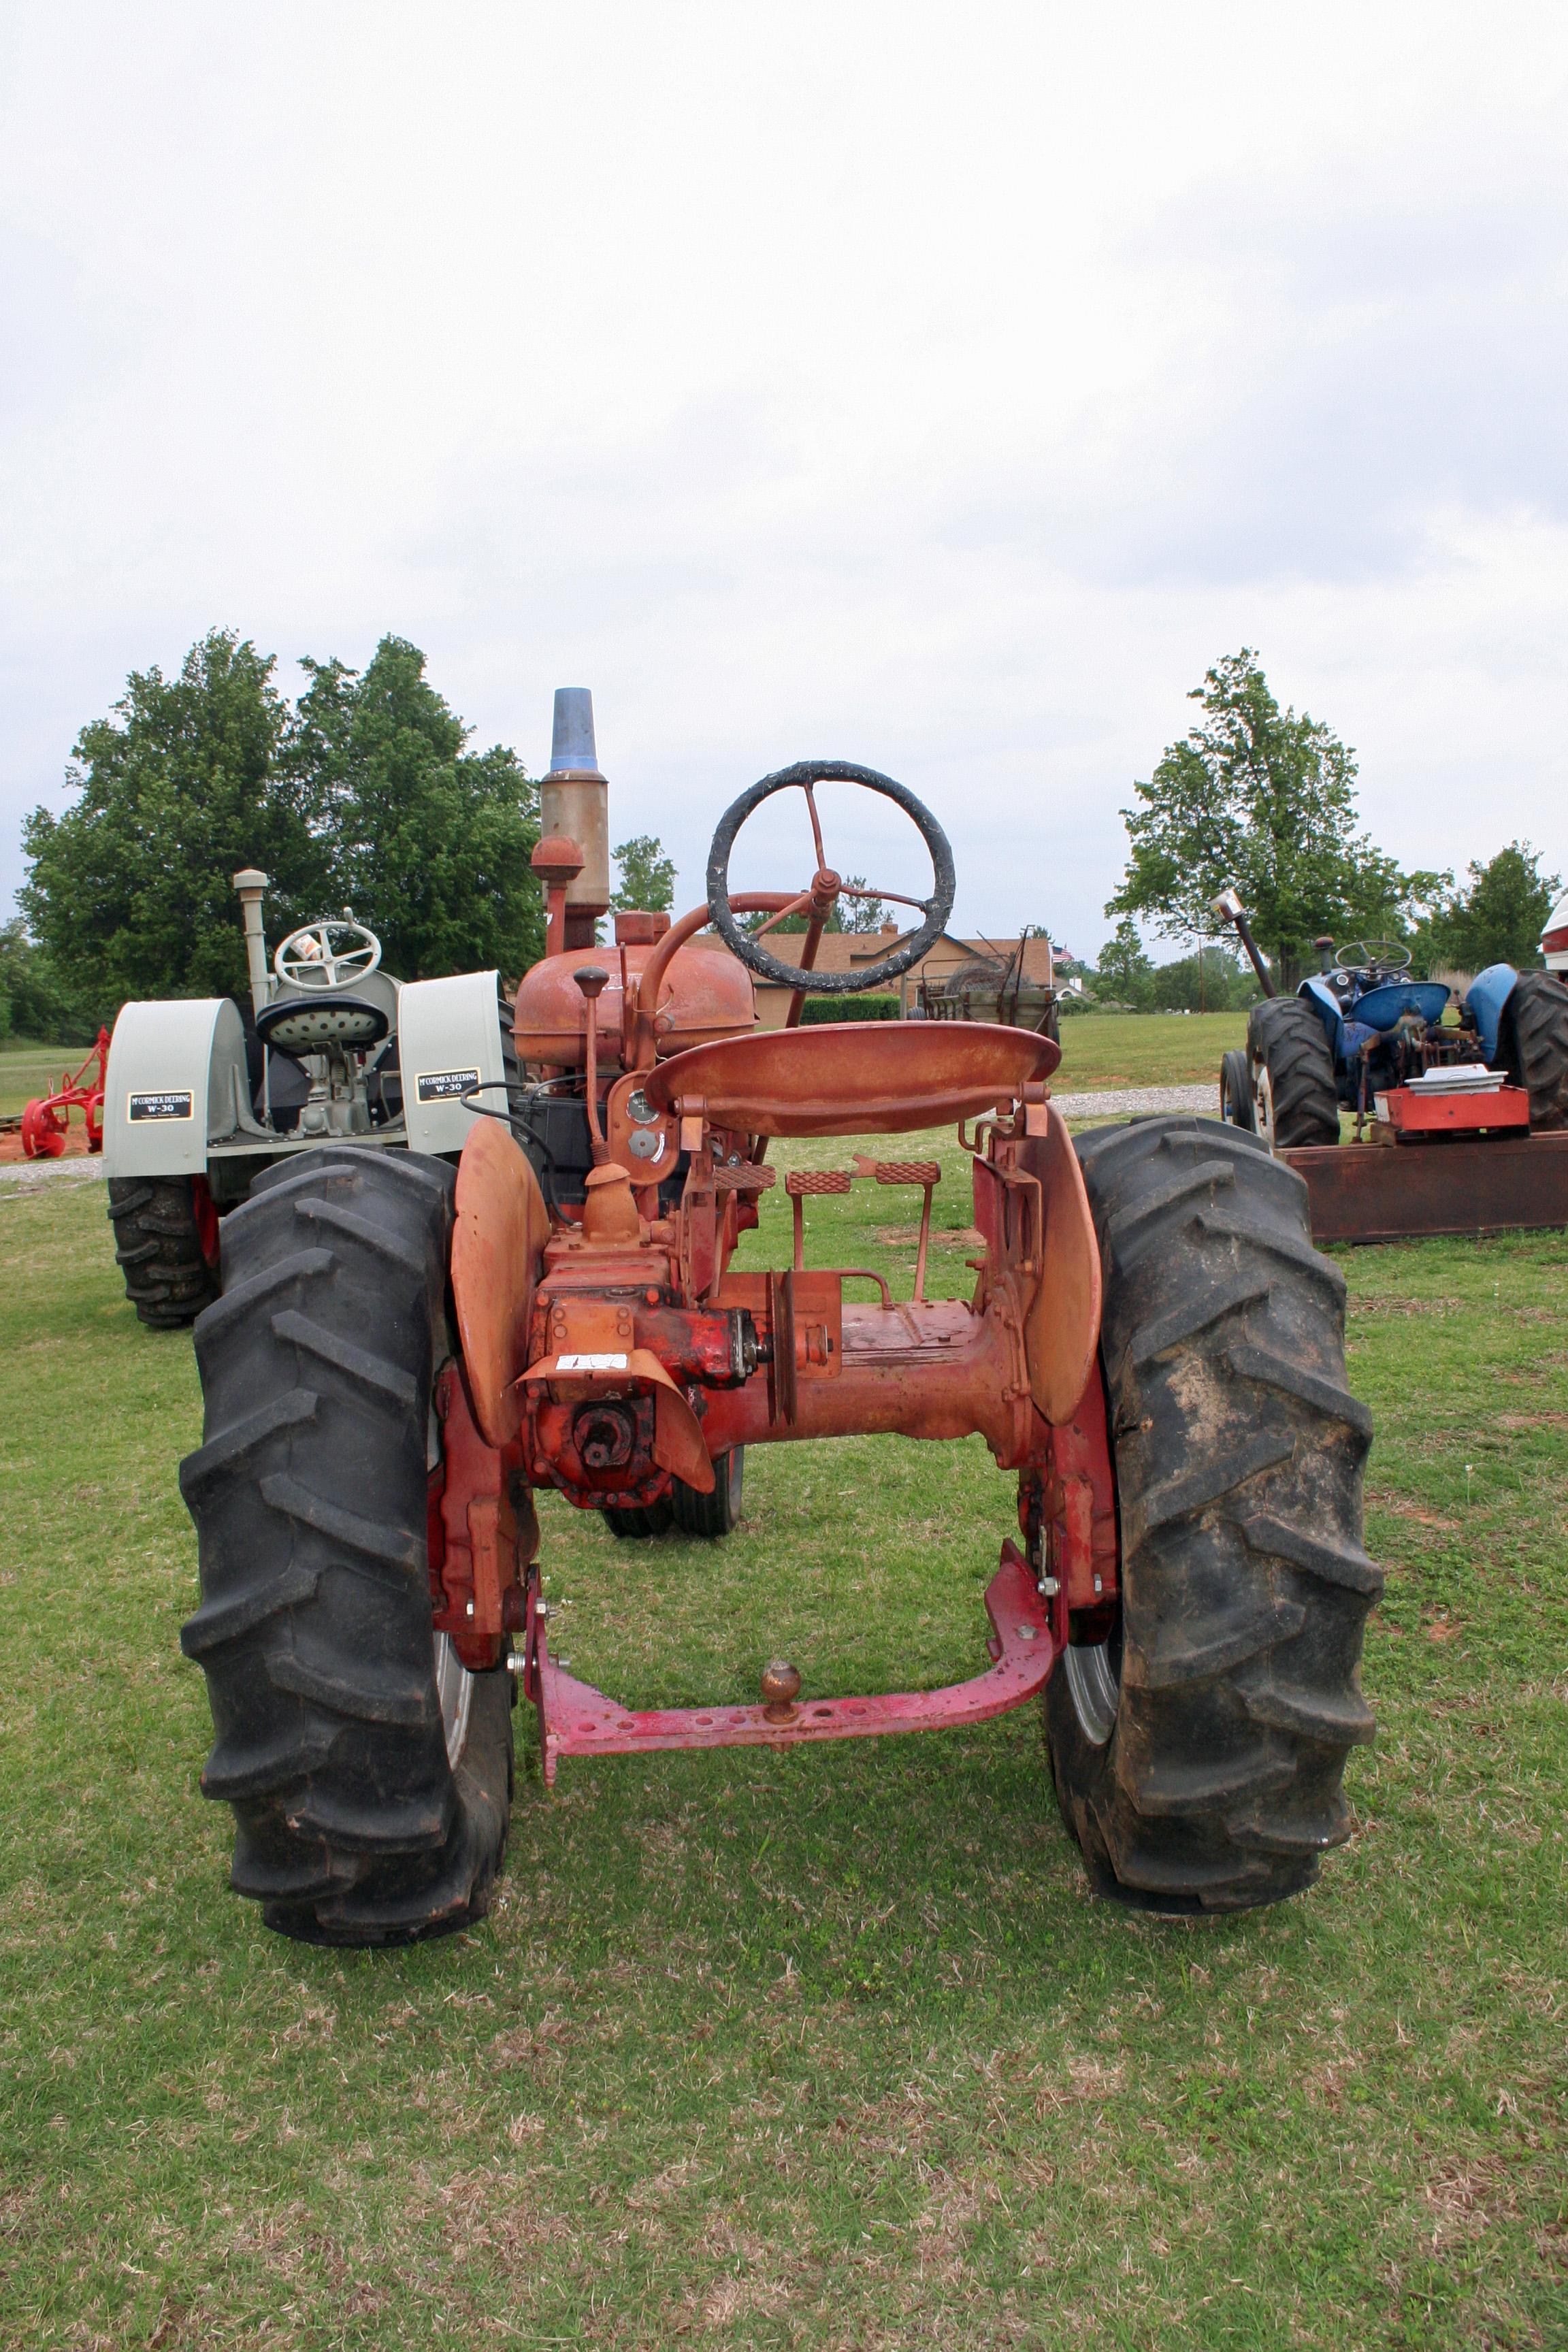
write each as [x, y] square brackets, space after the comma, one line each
[404, 1352]
[202, 1094]
[1485, 1077]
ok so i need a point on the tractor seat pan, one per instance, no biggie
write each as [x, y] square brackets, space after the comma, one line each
[307, 1024]
[854, 1078]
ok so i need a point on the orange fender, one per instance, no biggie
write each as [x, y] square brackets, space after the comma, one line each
[503, 1225]
[1061, 1330]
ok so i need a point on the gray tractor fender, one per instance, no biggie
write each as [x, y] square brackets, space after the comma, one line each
[448, 1040]
[176, 1082]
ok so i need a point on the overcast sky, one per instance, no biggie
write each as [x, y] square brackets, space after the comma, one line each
[938, 387]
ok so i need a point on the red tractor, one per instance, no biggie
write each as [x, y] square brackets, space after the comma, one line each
[404, 1350]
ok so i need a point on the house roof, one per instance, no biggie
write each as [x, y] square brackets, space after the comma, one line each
[851, 951]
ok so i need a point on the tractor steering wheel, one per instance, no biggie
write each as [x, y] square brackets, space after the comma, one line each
[826, 885]
[310, 956]
[1377, 955]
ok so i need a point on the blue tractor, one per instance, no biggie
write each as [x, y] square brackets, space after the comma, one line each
[1361, 1025]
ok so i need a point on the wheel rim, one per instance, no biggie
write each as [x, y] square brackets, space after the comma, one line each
[455, 1689]
[1094, 1683]
[1263, 1096]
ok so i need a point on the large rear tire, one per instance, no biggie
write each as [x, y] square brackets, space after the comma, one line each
[1199, 1753]
[369, 1772]
[1287, 1038]
[166, 1246]
[1534, 1042]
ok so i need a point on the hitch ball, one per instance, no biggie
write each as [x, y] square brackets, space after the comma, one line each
[781, 1688]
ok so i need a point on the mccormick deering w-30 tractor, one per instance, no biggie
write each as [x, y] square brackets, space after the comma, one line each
[405, 1349]
[1485, 1078]
[198, 1099]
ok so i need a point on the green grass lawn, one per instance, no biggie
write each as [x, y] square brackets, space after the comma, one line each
[1145, 1049]
[29, 1070]
[830, 2048]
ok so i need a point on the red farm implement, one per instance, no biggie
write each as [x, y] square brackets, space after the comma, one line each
[405, 1352]
[46, 1122]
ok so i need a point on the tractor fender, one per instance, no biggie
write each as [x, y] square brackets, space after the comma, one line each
[1325, 1005]
[1061, 1329]
[500, 1227]
[176, 1081]
[1487, 999]
[448, 1041]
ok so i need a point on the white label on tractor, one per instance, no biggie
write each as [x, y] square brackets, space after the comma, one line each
[445, 1086]
[590, 1364]
[176, 1104]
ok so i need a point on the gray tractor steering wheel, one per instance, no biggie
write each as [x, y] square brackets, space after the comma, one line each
[825, 883]
[311, 957]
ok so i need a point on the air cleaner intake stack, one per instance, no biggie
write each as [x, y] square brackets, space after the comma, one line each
[573, 801]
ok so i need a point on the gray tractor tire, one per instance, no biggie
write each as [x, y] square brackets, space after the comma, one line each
[1534, 1043]
[369, 1772]
[159, 1248]
[1199, 1752]
[1286, 1035]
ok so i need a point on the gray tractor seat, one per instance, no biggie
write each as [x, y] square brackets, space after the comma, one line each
[309, 1025]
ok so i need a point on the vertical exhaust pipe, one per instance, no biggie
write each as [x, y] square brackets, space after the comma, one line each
[250, 882]
[574, 801]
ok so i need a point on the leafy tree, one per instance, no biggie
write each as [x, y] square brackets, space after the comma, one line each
[1498, 918]
[647, 876]
[1124, 972]
[1264, 799]
[1212, 983]
[129, 892]
[429, 843]
[32, 1001]
[865, 914]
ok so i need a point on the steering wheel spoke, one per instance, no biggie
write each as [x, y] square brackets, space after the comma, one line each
[817, 900]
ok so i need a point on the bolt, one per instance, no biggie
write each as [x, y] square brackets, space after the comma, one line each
[516, 1664]
[469, 1609]
[1048, 1586]
[1098, 1585]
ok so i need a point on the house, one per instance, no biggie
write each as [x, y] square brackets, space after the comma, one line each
[945, 960]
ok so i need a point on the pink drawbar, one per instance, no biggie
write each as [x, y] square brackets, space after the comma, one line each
[576, 1720]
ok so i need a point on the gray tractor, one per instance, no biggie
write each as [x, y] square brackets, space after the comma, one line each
[202, 1096]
